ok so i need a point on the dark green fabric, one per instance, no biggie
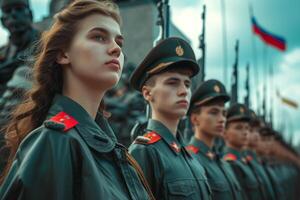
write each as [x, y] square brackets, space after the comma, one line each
[258, 169]
[171, 175]
[221, 178]
[85, 162]
[169, 53]
[245, 176]
[209, 90]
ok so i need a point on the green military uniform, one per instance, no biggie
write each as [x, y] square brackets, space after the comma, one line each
[72, 156]
[169, 168]
[250, 158]
[221, 178]
[250, 183]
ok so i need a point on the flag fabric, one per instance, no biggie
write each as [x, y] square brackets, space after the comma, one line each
[287, 101]
[269, 38]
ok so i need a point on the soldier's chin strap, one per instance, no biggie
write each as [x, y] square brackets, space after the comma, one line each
[140, 173]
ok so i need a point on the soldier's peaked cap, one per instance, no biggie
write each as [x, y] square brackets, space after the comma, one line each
[207, 91]
[169, 53]
[237, 112]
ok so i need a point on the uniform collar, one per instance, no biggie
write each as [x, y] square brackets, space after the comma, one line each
[97, 133]
[235, 152]
[250, 153]
[175, 143]
[200, 145]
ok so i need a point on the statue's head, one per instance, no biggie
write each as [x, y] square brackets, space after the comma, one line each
[16, 15]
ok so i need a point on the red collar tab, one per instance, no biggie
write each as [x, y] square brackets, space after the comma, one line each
[175, 147]
[193, 149]
[230, 157]
[65, 119]
[153, 136]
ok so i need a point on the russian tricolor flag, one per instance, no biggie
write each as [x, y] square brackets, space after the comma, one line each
[269, 38]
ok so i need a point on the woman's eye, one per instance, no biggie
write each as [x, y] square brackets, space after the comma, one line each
[99, 38]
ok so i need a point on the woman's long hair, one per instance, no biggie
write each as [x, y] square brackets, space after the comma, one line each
[47, 73]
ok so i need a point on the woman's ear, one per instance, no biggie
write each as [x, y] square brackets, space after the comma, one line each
[146, 91]
[62, 58]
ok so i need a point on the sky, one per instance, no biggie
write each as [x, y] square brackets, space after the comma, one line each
[276, 16]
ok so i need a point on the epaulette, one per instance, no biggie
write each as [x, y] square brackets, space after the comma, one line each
[62, 122]
[148, 138]
[192, 148]
[247, 159]
[230, 157]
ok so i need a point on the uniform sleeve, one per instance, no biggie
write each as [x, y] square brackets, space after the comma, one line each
[148, 161]
[43, 168]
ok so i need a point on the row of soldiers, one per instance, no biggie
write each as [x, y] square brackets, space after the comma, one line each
[252, 162]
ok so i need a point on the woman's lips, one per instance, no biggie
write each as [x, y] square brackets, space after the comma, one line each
[113, 64]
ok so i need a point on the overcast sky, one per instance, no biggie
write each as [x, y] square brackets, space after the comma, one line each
[277, 16]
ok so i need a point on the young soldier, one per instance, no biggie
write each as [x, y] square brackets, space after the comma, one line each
[251, 158]
[235, 135]
[164, 78]
[208, 120]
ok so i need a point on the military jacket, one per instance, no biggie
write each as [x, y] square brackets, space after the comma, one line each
[172, 172]
[251, 159]
[244, 174]
[78, 158]
[275, 180]
[220, 176]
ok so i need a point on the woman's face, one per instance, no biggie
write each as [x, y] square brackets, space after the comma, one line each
[95, 56]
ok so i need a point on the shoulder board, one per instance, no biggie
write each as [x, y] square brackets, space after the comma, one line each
[249, 158]
[62, 122]
[192, 148]
[148, 138]
[230, 157]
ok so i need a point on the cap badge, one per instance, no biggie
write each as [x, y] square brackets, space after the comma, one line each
[217, 89]
[242, 110]
[179, 51]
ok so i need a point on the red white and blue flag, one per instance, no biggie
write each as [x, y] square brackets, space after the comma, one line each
[269, 38]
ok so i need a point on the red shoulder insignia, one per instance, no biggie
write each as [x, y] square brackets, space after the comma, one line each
[62, 119]
[192, 148]
[249, 158]
[230, 157]
[154, 137]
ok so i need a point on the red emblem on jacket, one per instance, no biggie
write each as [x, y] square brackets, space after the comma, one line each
[65, 119]
[230, 157]
[193, 149]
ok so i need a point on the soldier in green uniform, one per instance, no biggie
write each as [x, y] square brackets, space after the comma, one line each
[235, 135]
[251, 159]
[270, 163]
[60, 142]
[164, 78]
[207, 115]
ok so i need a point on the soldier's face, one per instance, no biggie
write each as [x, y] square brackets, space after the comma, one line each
[236, 133]
[170, 96]
[95, 57]
[210, 120]
[253, 137]
[16, 17]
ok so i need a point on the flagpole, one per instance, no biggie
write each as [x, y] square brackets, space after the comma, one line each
[225, 70]
[255, 67]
